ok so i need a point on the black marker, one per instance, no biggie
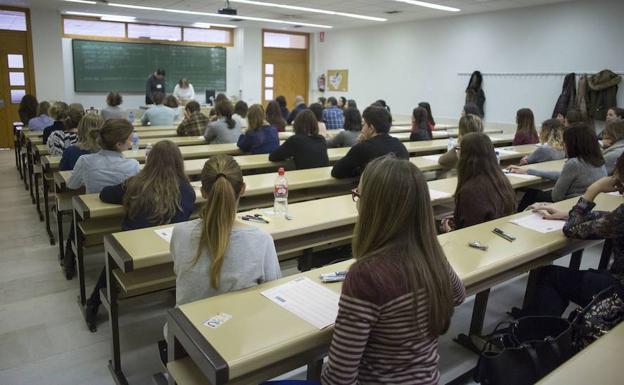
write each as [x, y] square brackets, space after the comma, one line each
[503, 234]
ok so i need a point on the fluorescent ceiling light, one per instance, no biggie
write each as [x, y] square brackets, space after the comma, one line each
[306, 9]
[430, 5]
[181, 11]
[82, 1]
[209, 25]
[103, 16]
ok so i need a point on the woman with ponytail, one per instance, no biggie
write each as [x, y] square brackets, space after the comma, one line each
[88, 133]
[158, 195]
[225, 129]
[215, 253]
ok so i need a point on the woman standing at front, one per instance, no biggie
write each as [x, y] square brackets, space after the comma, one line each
[398, 296]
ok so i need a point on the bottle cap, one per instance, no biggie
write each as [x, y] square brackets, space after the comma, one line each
[280, 171]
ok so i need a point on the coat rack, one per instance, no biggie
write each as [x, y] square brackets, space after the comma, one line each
[516, 74]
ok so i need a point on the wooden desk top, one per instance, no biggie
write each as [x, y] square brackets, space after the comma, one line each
[143, 248]
[245, 347]
[599, 363]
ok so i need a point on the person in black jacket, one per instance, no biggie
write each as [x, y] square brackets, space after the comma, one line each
[420, 125]
[307, 148]
[375, 142]
[156, 82]
[474, 92]
[159, 194]
[299, 106]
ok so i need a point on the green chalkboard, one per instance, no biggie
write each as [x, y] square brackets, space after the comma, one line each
[103, 66]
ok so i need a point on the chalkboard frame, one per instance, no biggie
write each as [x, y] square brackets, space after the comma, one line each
[133, 92]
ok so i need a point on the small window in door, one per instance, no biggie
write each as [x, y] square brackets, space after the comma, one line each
[16, 60]
[17, 95]
[13, 20]
[268, 94]
[16, 79]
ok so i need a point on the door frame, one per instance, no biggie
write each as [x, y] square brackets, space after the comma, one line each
[307, 50]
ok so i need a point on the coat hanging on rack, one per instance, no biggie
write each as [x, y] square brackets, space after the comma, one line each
[474, 92]
[602, 93]
[567, 99]
[581, 95]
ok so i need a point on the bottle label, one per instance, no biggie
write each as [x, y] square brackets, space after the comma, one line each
[281, 190]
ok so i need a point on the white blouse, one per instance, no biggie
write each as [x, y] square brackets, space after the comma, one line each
[184, 93]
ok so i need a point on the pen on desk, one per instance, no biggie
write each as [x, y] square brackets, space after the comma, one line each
[254, 219]
[503, 234]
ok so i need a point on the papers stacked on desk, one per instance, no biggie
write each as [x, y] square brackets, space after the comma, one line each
[435, 194]
[308, 300]
[165, 233]
[535, 222]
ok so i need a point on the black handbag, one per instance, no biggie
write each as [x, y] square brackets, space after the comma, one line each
[603, 313]
[524, 351]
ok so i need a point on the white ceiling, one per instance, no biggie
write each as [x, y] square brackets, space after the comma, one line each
[376, 8]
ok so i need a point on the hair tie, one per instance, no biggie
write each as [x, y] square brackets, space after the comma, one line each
[220, 174]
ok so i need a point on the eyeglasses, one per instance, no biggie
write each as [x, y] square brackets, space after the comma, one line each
[355, 195]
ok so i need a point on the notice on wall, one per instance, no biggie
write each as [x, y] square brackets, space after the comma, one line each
[338, 80]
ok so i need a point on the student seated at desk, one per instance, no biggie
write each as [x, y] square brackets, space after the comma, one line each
[551, 148]
[332, 115]
[59, 140]
[274, 116]
[470, 108]
[584, 166]
[483, 192]
[58, 112]
[281, 101]
[398, 296]
[317, 109]
[557, 285]
[194, 123]
[27, 108]
[526, 132]
[260, 137]
[112, 109]
[420, 125]
[467, 123]
[299, 106]
[172, 102]
[614, 113]
[159, 194]
[215, 253]
[352, 130]
[88, 133]
[374, 142]
[430, 119]
[42, 120]
[307, 148]
[106, 167]
[224, 129]
[240, 114]
[612, 143]
[158, 114]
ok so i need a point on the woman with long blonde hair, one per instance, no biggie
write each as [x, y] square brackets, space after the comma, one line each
[159, 194]
[88, 134]
[215, 253]
[551, 139]
[398, 296]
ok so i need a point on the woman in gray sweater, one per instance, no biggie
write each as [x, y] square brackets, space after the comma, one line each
[551, 139]
[352, 129]
[225, 129]
[584, 166]
[216, 253]
[613, 143]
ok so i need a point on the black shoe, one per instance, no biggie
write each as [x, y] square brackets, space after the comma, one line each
[91, 317]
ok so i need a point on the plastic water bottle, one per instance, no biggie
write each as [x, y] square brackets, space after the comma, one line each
[280, 203]
[135, 141]
[148, 148]
[451, 144]
[497, 157]
[131, 117]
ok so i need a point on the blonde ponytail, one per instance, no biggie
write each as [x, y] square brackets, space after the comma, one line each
[222, 182]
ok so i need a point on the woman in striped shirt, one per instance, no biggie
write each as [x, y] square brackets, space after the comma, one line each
[59, 140]
[399, 295]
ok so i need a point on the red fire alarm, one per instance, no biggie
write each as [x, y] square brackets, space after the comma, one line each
[322, 36]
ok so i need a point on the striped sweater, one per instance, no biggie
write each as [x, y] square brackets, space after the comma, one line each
[378, 338]
[60, 140]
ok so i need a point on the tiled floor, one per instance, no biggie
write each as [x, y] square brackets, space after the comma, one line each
[43, 339]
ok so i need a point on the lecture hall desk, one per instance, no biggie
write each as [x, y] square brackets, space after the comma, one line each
[135, 257]
[240, 351]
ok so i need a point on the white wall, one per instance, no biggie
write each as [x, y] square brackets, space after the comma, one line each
[48, 59]
[420, 61]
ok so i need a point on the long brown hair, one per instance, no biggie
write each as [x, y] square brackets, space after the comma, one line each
[526, 122]
[222, 183]
[306, 124]
[478, 157]
[396, 219]
[274, 115]
[156, 188]
[224, 109]
[581, 142]
[255, 117]
[89, 131]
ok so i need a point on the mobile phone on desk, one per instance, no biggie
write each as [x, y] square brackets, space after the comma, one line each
[336, 276]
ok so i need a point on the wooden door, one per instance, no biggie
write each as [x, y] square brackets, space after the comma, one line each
[16, 72]
[285, 72]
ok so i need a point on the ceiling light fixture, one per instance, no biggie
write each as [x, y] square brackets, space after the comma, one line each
[82, 1]
[210, 25]
[430, 5]
[306, 9]
[103, 16]
[181, 11]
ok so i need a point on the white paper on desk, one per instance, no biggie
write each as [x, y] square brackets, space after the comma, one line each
[522, 176]
[435, 194]
[306, 299]
[535, 222]
[434, 158]
[616, 193]
[165, 233]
